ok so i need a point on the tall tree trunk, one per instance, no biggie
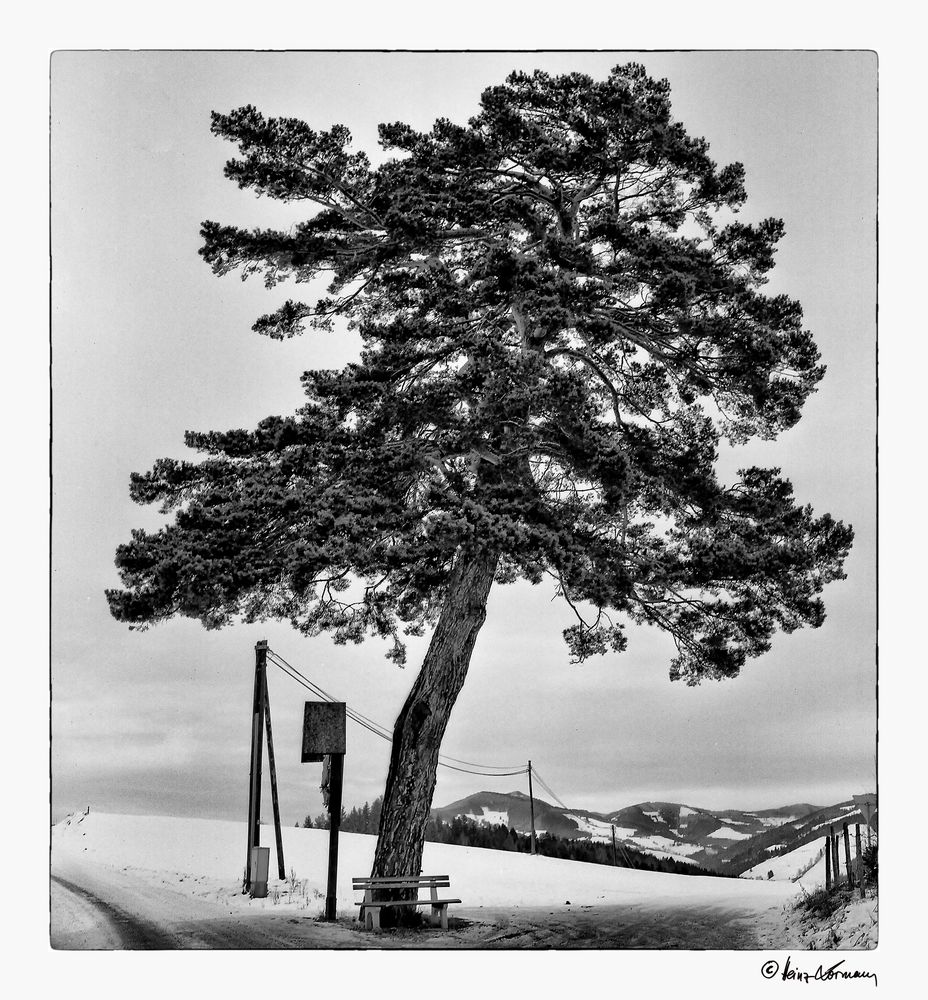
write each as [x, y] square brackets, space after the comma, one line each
[421, 724]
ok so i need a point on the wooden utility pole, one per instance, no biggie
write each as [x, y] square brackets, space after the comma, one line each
[614, 862]
[827, 862]
[257, 740]
[531, 804]
[847, 856]
[281, 868]
[336, 776]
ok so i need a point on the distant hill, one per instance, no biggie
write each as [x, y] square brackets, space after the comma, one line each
[729, 841]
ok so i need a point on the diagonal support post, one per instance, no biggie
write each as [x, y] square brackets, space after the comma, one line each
[257, 741]
[278, 836]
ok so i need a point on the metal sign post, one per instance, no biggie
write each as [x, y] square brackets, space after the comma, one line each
[324, 736]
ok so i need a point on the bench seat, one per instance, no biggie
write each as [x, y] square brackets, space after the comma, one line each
[370, 909]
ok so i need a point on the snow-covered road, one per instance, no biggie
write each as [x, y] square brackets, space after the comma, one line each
[103, 909]
[94, 907]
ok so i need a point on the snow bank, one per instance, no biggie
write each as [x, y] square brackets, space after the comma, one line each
[854, 925]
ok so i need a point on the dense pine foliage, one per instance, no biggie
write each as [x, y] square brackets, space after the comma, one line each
[562, 319]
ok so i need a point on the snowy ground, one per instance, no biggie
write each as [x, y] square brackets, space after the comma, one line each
[509, 899]
[854, 926]
[790, 866]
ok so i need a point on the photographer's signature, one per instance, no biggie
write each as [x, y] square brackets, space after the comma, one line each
[788, 973]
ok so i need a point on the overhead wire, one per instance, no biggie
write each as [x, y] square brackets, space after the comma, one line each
[621, 846]
[378, 730]
[487, 770]
[547, 787]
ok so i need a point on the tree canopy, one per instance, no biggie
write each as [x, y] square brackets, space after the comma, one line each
[562, 318]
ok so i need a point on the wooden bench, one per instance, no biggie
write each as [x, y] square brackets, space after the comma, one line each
[371, 907]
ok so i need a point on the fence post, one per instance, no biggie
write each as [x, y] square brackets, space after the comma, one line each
[861, 878]
[835, 868]
[847, 856]
[828, 879]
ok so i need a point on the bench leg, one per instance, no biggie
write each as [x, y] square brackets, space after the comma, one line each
[374, 917]
[444, 916]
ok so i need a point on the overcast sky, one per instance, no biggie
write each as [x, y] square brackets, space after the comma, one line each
[148, 343]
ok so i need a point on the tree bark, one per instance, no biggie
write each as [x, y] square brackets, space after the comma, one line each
[421, 724]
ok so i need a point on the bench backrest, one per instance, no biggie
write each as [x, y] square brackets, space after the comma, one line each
[407, 882]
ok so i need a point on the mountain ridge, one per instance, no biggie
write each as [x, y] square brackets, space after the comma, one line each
[728, 841]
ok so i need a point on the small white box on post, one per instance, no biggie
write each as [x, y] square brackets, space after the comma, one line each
[260, 860]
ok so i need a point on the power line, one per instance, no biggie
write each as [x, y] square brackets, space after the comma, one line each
[486, 770]
[489, 771]
[363, 721]
[541, 781]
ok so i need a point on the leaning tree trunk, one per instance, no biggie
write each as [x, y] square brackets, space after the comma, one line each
[421, 724]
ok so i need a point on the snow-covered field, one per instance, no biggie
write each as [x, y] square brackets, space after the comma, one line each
[727, 833]
[490, 817]
[789, 866]
[805, 865]
[598, 829]
[182, 878]
[205, 858]
[655, 845]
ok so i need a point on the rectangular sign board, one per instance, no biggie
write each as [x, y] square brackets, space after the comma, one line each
[323, 729]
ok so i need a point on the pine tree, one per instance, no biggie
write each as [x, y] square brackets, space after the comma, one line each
[562, 317]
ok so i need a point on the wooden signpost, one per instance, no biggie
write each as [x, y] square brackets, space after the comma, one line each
[324, 737]
[261, 715]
